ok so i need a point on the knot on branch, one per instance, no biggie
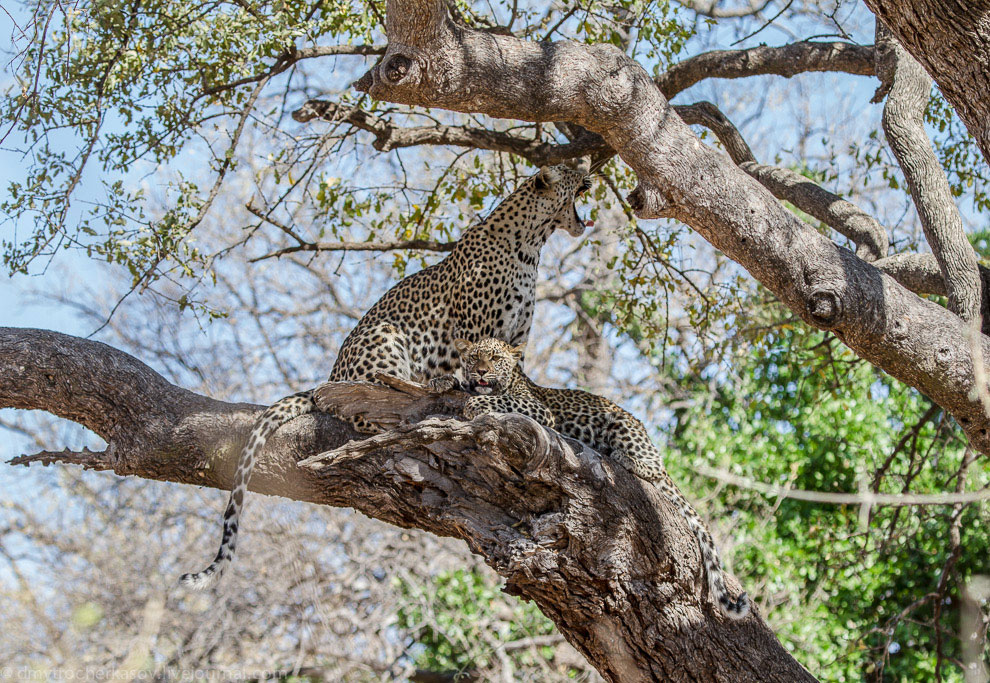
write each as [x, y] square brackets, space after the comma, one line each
[395, 69]
[825, 308]
[647, 202]
[398, 76]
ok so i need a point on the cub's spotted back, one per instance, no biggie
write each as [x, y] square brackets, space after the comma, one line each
[493, 372]
[484, 287]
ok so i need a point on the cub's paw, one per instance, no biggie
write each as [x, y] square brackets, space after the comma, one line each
[439, 385]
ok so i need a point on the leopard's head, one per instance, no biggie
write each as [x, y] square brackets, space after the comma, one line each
[550, 194]
[488, 364]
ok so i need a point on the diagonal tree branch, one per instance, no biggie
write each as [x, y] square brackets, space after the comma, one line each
[907, 88]
[599, 551]
[845, 217]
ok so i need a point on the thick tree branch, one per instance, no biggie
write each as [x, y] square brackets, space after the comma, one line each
[786, 60]
[442, 64]
[598, 550]
[845, 217]
[951, 39]
[907, 88]
[922, 275]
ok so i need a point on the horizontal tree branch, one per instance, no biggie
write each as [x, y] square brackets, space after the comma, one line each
[601, 552]
[388, 136]
[867, 497]
[415, 245]
[303, 245]
[785, 60]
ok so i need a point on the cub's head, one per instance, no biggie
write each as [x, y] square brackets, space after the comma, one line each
[551, 193]
[488, 364]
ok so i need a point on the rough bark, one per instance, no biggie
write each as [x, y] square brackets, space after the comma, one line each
[432, 61]
[922, 275]
[907, 88]
[951, 39]
[599, 551]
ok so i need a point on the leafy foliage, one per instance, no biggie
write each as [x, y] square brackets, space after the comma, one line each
[855, 591]
[456, 620]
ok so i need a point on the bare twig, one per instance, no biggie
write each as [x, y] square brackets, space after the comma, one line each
[865, 497]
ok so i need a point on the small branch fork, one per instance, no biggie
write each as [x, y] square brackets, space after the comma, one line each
[304, 245]
[599, 551]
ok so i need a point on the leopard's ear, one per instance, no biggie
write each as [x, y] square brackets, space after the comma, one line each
[542, 178]
[518, 351]
[462, 345]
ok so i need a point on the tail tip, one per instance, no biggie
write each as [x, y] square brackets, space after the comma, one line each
[735, 609]
[201, 581]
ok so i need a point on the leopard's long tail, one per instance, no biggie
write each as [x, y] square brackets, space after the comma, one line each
[732, 608]
[274, 417]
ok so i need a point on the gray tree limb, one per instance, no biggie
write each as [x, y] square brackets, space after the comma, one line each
[599, 551]
[922, 274]
[907, 88]
[432, 61]
[845, 217]
[786, 60]
[951, 39]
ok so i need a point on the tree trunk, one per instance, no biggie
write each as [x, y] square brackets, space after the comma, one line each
[951, 39]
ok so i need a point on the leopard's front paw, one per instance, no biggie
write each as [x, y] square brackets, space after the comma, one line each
[439, 385]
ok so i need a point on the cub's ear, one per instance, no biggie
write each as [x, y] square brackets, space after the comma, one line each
[542, 179]
[518, 351]
[462, 345]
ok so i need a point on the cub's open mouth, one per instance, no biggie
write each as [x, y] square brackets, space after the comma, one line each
[481, 386]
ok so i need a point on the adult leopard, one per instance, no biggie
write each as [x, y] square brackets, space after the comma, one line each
[493, 372]
[484, 287]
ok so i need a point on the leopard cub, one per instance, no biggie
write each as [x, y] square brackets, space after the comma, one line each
[493, 374]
